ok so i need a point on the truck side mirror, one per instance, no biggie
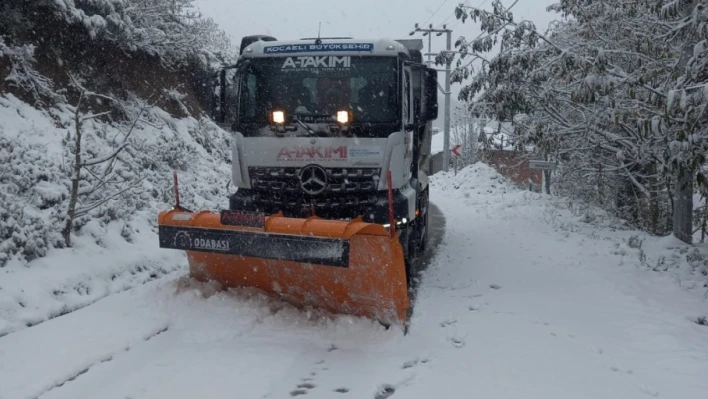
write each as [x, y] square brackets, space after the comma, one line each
[430, 94]
[228, 85]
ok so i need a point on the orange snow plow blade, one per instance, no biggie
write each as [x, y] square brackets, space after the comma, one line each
[344, 267]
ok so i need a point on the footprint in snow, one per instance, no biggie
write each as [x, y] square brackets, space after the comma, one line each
[413, 363]
[619, 370]
[448, 322]
[410, 364]
[649, 391]
[302, 388]
[385, 392]
[457, 342]
[306, 385]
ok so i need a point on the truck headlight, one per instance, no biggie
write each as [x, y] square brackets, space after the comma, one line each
[278, 117]
[343, 117]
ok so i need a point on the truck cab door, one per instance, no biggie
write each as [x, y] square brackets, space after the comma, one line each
[226, 92]
[405, 98]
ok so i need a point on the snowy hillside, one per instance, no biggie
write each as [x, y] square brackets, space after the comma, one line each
[527, 297]
[115, 244]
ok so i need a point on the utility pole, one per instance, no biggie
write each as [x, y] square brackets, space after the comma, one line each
[430, 45]
[448, 64]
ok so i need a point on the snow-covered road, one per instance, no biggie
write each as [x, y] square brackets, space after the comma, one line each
[522, 301]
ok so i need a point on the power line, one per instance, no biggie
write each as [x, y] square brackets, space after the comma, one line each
[436, 11]
[453, 14]
[447, 19]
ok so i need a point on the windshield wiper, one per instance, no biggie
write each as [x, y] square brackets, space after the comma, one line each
[306, 126]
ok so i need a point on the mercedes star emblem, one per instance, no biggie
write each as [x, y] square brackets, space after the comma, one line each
[313, 179]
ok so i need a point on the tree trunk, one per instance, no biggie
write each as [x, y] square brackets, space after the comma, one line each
[71, 213]
[547, 175]
[683, 207]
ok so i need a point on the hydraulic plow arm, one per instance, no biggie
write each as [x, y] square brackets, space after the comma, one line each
[344, 267]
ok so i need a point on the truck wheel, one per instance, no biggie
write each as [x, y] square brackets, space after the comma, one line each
[411, 255]
[426, 233]
[425, 225]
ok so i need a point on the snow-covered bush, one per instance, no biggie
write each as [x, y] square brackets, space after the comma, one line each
[29, 200]
[36, 155]
[114, 241]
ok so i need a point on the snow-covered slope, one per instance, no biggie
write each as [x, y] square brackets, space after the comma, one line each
[115, 245]
[526, 298]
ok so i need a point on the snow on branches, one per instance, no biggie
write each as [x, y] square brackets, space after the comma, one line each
[170, 29]
[22, 73]
[616, 93]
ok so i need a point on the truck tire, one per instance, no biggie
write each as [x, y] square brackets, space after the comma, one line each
[426, 224]
[423, 243]
[417, 240]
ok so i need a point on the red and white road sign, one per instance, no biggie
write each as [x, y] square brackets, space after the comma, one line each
[454, 150]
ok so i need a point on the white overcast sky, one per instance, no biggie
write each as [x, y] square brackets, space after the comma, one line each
[394, 19]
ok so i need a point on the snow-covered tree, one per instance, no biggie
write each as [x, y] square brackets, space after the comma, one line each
[615, 92]
[170, 29]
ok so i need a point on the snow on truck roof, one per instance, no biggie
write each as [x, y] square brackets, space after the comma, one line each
[374, 47]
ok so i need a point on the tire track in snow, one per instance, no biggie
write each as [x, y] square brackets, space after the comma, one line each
[85, 370]
[35, 361]
[151, 271]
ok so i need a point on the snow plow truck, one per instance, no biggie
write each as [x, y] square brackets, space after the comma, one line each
[331, 141]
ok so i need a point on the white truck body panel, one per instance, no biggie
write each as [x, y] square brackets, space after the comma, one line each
[392, 153]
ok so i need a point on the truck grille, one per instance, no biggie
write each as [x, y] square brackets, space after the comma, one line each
[347, 187]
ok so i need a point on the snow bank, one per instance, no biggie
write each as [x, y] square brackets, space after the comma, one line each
[115, 243]
[480, 184]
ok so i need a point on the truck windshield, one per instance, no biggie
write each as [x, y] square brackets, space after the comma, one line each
[314, 88]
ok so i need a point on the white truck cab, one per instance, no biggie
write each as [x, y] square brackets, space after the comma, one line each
[318, 124]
